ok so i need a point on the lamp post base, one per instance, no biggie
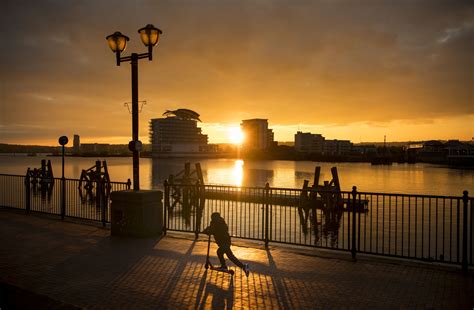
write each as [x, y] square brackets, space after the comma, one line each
[137, 213]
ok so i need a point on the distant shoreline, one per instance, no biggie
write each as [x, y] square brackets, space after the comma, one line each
[329, 159]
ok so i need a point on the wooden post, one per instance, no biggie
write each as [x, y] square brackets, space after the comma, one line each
[43, 171]
[335, 180]
[186, 183]
[317, 173]
[199, 174]
[304, 193]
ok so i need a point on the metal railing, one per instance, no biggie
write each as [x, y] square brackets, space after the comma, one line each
[423, 227]
[64, 198]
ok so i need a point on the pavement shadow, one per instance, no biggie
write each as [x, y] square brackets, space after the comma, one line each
[280, 288]
[221, 298]
[178, 271]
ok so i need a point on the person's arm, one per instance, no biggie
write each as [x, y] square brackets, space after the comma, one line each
[207, 230]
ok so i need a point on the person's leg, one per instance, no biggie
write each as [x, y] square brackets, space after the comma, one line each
[220, 254]
[232, 257]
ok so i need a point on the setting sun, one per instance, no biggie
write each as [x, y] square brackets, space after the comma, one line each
[235, 135]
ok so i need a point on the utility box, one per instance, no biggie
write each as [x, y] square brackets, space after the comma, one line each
[137, 213]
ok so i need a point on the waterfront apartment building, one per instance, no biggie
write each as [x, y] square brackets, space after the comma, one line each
[76, 146]
[94, 148]
[257, 134]
[337, 147]
[177, 136]
[306, 142]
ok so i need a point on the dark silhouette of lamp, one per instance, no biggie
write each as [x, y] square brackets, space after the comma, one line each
[150, 36]
[117, 43]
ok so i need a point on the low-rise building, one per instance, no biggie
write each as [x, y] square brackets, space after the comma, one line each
[306, 142]
[337, 147]
[94, 148]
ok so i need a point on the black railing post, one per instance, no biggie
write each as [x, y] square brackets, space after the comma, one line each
[63, 197]
[353, 237]
[266, 201]
[195, 202]
[166, 205]
[99, 201]
[359, 205]
[465, 200]
[349, 203]
[27, 194]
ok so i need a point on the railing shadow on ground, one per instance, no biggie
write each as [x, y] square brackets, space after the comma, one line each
[411, 226]
[278, 284]
[221, 298]
[120, 272]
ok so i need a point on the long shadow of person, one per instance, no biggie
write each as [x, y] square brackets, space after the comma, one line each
[221, 298]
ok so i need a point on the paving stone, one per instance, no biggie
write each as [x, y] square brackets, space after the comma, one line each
[81, 265]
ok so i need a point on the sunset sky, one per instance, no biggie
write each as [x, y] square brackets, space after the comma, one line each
[354, 70]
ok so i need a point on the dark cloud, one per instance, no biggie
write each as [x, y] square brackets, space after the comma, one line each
[313, 62]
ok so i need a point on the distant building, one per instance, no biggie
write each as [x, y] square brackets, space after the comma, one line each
[453, 152]
[257, 134]
[306, 142]
[178, 135]
[337, 147]
[94, 148]
[364, 149]
[76, 146]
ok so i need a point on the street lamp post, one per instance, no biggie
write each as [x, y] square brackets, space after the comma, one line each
[117, 43]
[63, 140]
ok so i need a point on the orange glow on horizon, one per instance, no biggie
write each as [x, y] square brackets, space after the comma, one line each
[235, 135]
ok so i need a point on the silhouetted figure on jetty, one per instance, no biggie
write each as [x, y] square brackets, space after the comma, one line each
[220, 230]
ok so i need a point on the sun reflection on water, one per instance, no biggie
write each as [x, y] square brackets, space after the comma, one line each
[238, 172]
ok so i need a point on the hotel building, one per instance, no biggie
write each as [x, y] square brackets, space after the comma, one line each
[257, 135]
[177, 136]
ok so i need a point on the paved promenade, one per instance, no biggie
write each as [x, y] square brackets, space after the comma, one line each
[81, 265]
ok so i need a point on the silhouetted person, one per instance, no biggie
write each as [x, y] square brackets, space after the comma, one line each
[219, 229]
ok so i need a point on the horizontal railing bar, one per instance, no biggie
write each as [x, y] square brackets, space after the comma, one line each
[59, 179]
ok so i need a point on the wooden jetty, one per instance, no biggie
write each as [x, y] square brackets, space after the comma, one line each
[188, 188]
[280, 199]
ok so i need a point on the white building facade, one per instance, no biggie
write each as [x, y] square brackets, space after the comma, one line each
[176, 136]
